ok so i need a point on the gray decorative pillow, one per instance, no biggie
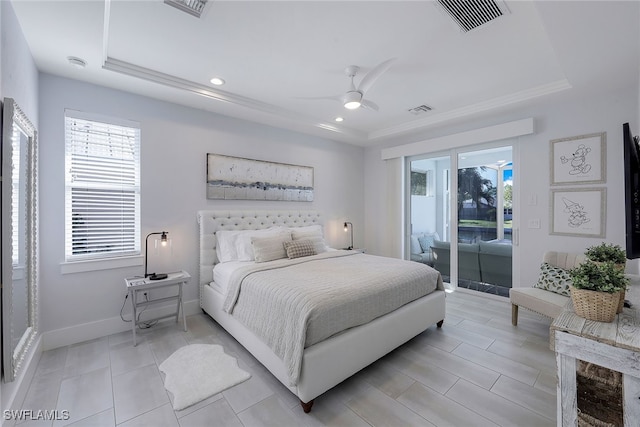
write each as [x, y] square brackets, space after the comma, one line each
[269, 248]
[299, 248]
[313, 233]
[554, 279]
[426, 241]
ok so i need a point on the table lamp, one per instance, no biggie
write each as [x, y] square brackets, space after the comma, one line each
[163, 242]
[348, 225]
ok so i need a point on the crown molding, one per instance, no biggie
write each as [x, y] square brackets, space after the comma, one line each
[468, 110]
[294, 120]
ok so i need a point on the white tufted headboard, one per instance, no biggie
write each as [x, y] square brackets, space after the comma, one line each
[212, 221]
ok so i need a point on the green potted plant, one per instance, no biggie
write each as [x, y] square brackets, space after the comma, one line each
[596, 290]
[607, 252]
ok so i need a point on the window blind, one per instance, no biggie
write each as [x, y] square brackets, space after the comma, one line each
[102, 200]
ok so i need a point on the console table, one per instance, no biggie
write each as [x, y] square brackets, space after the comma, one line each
[613, 345]
[140, 284]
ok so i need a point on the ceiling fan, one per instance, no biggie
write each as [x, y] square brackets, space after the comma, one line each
[354, 98]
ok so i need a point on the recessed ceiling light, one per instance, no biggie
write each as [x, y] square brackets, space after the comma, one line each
[77, 62]
[339, 119]
[217, 81]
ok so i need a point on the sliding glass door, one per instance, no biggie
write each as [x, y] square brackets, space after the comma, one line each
[464, 233]
[484, 214]
[429, 215]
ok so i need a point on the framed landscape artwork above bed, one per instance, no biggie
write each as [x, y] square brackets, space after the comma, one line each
[237, 178]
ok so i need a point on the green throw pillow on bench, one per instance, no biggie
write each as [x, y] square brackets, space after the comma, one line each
[554, 279]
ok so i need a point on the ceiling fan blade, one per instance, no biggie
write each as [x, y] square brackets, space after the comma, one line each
[373, 75]
[369, 104]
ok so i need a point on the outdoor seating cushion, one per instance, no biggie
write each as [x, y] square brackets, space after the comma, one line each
[547, 303]
[421, 247]
[495, 263]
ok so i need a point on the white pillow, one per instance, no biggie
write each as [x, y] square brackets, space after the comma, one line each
[244, 248]
[226, 248]
[270, 248]
[235, 245]
[415, 244]
[313, 233]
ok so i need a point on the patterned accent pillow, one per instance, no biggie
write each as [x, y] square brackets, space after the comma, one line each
[299, 248]
[554, 279]
[313, 233]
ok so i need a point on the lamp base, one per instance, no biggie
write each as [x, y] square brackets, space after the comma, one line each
[159, 276]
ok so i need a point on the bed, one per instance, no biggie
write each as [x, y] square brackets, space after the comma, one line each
[311, 367]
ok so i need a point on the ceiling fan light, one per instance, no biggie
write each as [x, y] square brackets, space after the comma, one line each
[352, 100]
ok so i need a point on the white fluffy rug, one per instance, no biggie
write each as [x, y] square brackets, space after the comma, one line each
[198, 371]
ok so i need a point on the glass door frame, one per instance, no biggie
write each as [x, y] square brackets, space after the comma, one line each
[453, 154]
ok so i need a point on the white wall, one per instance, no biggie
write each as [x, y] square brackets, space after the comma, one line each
[18, 80]
[175, 141]
[19, 73]
[556, 117]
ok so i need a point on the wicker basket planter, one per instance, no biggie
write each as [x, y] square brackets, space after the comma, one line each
[621, 302]
[593, 305]
[599, 393]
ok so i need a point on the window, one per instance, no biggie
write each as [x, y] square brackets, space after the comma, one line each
[102, 187]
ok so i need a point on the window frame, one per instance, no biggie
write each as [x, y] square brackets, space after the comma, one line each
[130, 246]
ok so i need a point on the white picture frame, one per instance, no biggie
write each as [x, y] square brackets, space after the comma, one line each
[579, 159]
[578, 212]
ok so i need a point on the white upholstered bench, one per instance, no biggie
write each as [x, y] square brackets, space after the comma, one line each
[544, 302]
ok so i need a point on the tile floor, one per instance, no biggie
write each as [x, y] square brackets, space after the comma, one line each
[477, 370]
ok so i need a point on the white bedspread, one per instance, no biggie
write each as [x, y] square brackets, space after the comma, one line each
[293, 304]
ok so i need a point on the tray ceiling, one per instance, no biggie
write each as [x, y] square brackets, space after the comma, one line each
[274, 55]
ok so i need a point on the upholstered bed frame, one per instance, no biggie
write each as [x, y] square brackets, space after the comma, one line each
[325, 364]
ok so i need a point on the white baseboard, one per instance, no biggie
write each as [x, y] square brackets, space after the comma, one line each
[101, 328]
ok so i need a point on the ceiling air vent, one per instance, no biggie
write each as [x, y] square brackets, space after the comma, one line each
[470, 14]
[420, 109]
[192, 7]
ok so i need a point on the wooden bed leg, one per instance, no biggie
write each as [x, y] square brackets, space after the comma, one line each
[439, 324]
[306, 407]
[514, 315]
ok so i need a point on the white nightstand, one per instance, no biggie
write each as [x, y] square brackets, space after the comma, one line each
[361, 250]
[139, 284]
